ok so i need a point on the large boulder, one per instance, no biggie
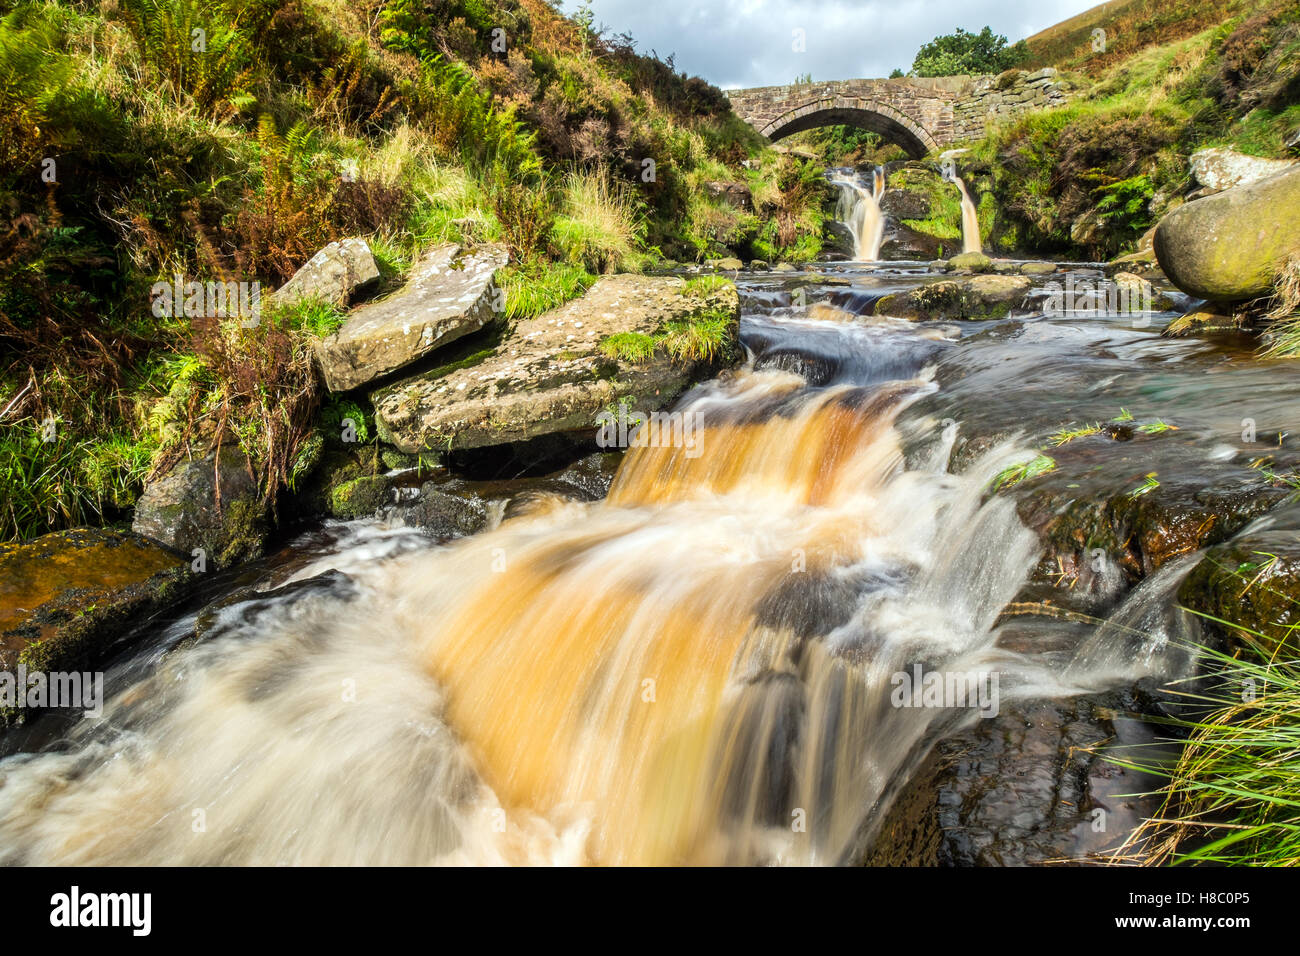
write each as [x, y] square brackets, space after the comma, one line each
[210, 504]
[67, 597]
[1230, 246]
[449, 294]
[976, 297]
[332, 275]
[558, 371]
[1219, 168]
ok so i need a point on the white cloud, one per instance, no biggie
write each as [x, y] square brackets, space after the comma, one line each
[750, 42]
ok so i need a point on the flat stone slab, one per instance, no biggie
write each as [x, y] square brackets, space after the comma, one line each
[333, 274]
[551, 375]
[449, 294]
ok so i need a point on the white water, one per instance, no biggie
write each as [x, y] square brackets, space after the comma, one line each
[486, 701]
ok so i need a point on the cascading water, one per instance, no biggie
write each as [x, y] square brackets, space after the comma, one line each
[699, 669]
[970, 224]
[858, 208]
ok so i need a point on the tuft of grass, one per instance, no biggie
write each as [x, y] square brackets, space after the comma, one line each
[1024, 471]
[1064, 436]
[634, 348]
[704, 286]
[1149, 484]
[701, 338]
[536, 287]
[1156, 427]
[601, 223]
[315, 316]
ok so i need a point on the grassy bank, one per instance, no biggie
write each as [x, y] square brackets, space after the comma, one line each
[147, 139]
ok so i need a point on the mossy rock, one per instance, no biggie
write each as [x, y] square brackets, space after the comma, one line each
[971, 262]
[361, 497]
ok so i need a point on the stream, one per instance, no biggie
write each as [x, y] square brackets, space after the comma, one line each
[724, 660]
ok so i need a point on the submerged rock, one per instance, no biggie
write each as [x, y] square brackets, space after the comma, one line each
[1037, 268]
[210, 504]
[67, 597]
[976, 297]
[1230, 246]
[448, 295]
[552, 374]
[333, 274]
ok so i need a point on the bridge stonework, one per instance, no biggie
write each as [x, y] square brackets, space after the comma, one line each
[921, 114]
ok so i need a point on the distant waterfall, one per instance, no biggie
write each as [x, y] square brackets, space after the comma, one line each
[859, 210]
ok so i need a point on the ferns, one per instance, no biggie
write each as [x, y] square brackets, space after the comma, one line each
[194, 54]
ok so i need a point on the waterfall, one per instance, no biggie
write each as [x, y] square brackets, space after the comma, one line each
[970, 224]
[859, 209]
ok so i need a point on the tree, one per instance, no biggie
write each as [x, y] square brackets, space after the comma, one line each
[895, 73]
[965, 52]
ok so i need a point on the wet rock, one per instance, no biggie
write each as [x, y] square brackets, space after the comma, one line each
[67, 597]
[552, 374]
[727, 264]
[1020, 789]
[1141, 295]
[784, 267]
[759, 265]
[1037, 268]
[1092, 529]
[971, 262]
[1219, 168]
[1252, 582]
[1201, 321]
[361, 497]
[1230, 246]
[333, 274]
[211, 504]
[973, 298]
[905, 204]
[448, 295]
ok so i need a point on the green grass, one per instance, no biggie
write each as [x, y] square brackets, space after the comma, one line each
[1233, 796]
[1023, 471]
[635, 348]
[67, 481]
[701, 338]
[1066, 435]
[538, 287]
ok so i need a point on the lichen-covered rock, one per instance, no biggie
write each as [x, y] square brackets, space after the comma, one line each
[727, 264]
[1219, 168]
[67, 597]
[333, 274]
[552, 374]
[976, 297]
[210, 503]
[448, 295]
[1230, 246]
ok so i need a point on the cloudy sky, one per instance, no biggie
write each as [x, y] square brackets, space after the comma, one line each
[738, 43]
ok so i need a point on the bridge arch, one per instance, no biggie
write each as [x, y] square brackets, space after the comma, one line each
[869, 114]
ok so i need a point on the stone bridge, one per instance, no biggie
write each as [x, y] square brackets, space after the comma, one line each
[920, 114]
